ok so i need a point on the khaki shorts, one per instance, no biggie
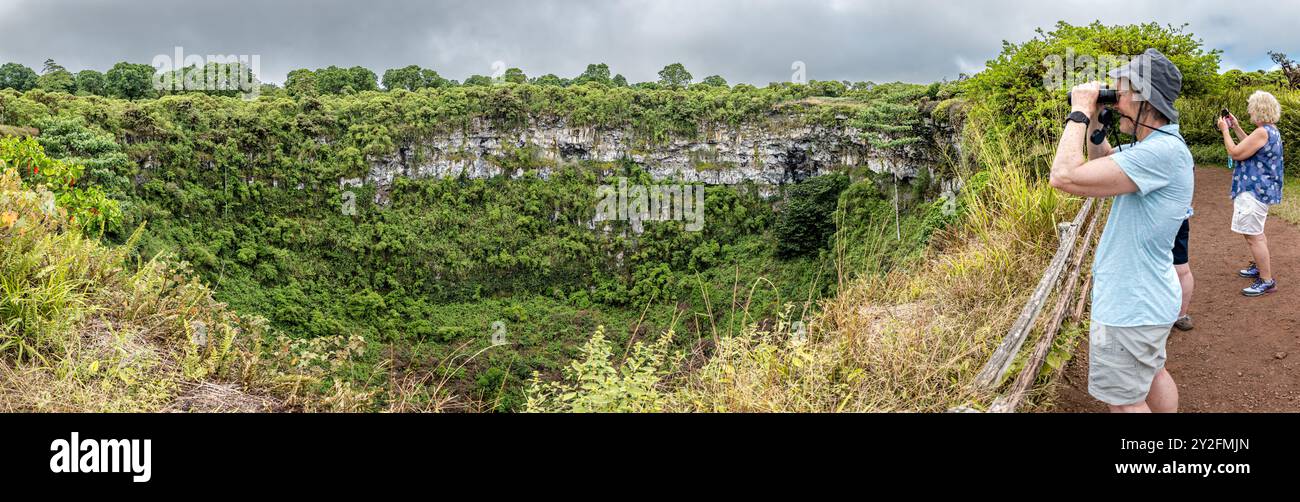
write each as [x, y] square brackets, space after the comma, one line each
[1248, 214]
[1122, 361]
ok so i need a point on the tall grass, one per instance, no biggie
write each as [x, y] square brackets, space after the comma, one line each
[912, 339]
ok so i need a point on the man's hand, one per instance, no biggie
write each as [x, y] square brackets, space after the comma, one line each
[1223, 124]
[1071, 171]
[1083, 98]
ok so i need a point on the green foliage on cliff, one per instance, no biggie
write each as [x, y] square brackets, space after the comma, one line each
[806, 220]
[477, 283]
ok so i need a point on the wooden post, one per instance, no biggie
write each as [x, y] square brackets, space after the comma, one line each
[1083, 299]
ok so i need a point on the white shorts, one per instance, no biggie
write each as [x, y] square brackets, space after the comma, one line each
[1123, 361]
[1248, 214]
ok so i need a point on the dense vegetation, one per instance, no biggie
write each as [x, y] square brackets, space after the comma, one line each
[247, 193]
[88, 327]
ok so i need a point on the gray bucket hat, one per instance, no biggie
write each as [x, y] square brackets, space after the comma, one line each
[1155, 79]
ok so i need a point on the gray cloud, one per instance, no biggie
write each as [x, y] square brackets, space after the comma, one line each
[745, 41]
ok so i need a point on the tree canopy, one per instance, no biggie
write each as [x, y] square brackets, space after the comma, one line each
[18, 77]
[674, 76]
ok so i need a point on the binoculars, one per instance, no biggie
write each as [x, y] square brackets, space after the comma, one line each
[1105, 97]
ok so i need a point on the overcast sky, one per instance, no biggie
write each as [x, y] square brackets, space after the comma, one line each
[753, 41]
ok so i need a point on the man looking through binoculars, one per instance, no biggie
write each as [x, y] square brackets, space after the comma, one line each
[1136, 294]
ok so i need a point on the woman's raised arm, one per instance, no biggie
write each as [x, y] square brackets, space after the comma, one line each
[1248, 146]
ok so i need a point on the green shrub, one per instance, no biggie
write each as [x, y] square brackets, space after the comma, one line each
[806, 220]
[87, 207]
[1011, 88]
[593, 383]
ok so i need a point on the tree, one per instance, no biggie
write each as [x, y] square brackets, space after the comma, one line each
[516, 76]
[596, 72]
[70, 139]
[829, 88]
[1011, 87]
[674, 76]
[129, 81]
[17, 76]
[412, 78]
[550, 79]
[715, 81]
[620, 80]
[301, 82]
[90, 82]
[54, 77]
[363, 79]
[336, 80]
[1236, 79]
[61, 81]
[269, 90]
[1290, 69]
[433, 80]
[478, 80]
[229, 79]
[407, 77]
[806, 221]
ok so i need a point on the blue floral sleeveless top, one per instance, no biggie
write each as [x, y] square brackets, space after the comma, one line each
[1261, 174]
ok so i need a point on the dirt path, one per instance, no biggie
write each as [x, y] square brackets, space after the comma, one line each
[1244, 354]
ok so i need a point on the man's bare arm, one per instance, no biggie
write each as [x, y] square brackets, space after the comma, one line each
[1071, 172]
[1095, 178]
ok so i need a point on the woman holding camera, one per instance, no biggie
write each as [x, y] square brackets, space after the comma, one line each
[1256, 183]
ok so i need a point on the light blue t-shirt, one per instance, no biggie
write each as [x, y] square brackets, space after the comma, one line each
[1134, 282]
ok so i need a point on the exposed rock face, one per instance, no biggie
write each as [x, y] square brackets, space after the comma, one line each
[774, 152]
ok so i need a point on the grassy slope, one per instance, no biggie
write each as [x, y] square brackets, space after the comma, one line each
[89, 328]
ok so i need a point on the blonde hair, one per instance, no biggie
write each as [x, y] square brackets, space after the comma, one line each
[1263, 108]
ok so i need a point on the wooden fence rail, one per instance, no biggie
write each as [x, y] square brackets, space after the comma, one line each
[1009, 401]
[996, 367]
[1063, 272]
